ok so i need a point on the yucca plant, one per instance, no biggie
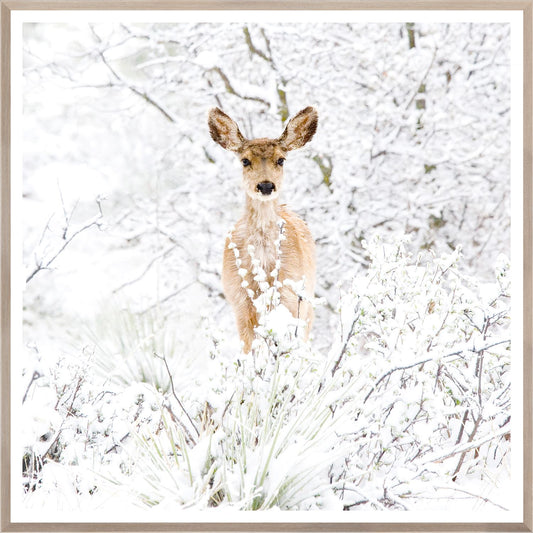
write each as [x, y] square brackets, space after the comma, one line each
[129, 347]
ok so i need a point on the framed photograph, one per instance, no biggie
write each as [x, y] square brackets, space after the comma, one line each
[266, 267]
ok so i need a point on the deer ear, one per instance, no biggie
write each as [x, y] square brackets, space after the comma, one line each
[224, 130]
[300, 129]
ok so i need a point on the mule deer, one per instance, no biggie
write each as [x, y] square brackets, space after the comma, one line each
[256, 240]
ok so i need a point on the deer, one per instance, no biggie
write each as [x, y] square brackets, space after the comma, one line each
[255, 239]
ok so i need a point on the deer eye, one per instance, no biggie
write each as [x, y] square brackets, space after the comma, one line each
[280, 161]
[246, 162]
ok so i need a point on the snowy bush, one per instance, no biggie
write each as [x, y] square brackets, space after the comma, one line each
[413, 399]
[428, 352]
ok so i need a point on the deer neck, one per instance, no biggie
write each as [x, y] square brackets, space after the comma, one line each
[262, 217]
[263, 230]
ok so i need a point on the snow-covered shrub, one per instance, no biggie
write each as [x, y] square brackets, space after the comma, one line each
[51, 407]
[427, 351]
[126, 345]
[279, 432]
[267, 444]
[411, 402]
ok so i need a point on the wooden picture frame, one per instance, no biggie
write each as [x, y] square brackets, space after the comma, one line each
[8, 7]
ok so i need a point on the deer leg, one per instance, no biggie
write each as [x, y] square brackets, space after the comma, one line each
[246, 318]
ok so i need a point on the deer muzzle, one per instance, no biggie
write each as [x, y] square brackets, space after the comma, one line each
[266, 187]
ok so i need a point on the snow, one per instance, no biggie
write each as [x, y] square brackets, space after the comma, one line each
[143, 399]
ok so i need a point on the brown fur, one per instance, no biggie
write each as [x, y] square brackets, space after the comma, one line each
[259, 225]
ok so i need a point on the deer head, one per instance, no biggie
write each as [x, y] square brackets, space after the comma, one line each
[262, 159]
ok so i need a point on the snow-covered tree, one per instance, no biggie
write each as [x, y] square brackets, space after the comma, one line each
[133, 380]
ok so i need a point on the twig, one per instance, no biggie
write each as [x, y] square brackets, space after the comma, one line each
[231, 90]
[143, 94]
[463, 454]
[365, 499]
[453, 354]
[392, 370]
[227, 406]
[254, 49]
[95, 221]
[490, 346]
[479, 376]
[166, 298]
[462, 428]
[36, 375]
[181, 424]
[70, 412]
[422, 80]
[345, 347]
[443, 321]
[117, 444]
[48, 452]
[164, 359]
[349, 506]
[467, 446]
[68, 217]
[473, 496]
[146, 269]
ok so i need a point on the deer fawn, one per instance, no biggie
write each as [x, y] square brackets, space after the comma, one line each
[256, 236]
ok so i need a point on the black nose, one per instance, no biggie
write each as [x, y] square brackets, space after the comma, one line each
[266, 187]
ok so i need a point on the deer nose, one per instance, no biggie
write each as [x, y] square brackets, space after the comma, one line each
[266, 187]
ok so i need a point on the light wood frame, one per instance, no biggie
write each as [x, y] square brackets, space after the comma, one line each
[6, 9]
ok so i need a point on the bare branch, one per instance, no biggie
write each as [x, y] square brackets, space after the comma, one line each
[456, 489]
[95, 221]
[422, 80]
[466, 447]
[345, 347]
[477, 422]
[164, 359]
[230, 89]
[143, 94]
[146, 269]
[166, 298]
[253, 48]
[35, 376]
[423, 361]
